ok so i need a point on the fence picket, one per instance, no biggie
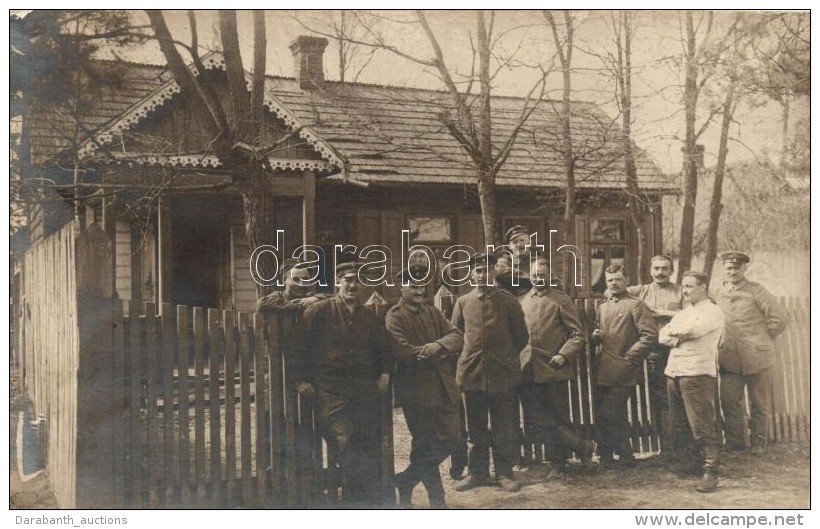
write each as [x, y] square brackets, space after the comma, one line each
[170, 433]
[199, 405]
[216, 344]
[263, 411]
[136, 365]
[152, 387]
[184, 343]
[228, 319]
[245, 407]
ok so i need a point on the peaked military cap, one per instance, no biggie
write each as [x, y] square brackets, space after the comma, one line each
[733, 256]
[487, 259]
[346, 269]
[413, 273]
[515, 230]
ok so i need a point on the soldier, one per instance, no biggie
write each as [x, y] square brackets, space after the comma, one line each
[665, 298]
[514, 275]
[344, 361]
[691, 373]
[753, 318]
[299, 292]
[547, 363]
[423, 343]
[488, 372]
[627, 332]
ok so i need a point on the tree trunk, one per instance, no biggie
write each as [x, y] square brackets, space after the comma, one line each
[690, 168]
[716, 206]
[784, 134]
[258, 206]
[489, 208]
[634, 207]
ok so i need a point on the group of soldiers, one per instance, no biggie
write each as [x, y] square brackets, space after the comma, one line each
[504, 358]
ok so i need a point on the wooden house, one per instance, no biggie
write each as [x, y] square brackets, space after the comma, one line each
[357, 164]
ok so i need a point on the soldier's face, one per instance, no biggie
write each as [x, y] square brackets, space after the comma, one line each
[349, 287]
[540, 275]
[735, 272]
[661, 269]
[519, 242]
[294, 289]
[616, 283]
[502, 265]
[483, 275]
[415, 294]
[693, 292]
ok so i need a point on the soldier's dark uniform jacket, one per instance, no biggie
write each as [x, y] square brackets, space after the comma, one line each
[753, 318]
[339, 351]
[554, 328]
[494, 333]
[628, 334]
[429, 383]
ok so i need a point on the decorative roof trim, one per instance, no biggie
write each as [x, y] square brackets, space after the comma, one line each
[141, 110]
[209, 161]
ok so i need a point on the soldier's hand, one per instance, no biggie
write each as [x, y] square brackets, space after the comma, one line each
[304, 388]
[429, 350]
[558, 361]
[596, 335]
[383, 382]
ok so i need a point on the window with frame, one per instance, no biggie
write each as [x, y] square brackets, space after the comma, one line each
[607, 246]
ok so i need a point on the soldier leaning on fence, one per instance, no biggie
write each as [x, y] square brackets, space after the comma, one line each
[488, 373]
[343, 360]
[627, 332]
[691, 373]
[753, 318]
[299, 292]
[547, 362]
[424, 342]
[665, 298]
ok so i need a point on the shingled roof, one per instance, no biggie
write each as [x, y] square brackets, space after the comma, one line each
[386, 134]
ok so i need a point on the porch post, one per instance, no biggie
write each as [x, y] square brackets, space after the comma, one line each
[164, 246]
[308, 209]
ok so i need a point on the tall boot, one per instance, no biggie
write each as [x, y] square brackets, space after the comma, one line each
[435, 489]
[711, 464]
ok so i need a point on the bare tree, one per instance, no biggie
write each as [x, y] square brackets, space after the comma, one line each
[468, 115]
[564, 48]
[233, 123]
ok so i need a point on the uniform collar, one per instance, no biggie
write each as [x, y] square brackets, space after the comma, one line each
[539, 293]
[731, 286]
[406, 305]
[490, 292]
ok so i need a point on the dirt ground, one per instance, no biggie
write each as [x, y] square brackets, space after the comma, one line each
[778, 479]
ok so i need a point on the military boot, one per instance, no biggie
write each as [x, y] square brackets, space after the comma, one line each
[711, 464]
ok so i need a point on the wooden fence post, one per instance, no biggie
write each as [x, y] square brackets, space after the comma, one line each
[96, 398]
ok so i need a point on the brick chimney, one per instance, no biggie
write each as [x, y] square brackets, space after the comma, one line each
[308, 61]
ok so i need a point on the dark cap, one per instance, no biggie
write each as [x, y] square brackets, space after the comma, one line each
[735, 257]
[346, 269]
[515, 230]
[412, 274]
[486, 259]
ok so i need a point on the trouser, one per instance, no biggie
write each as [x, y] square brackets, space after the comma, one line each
[693, 397]
[760, 387]
[434, 432]
[656, 364]
[500, 407]
[350, 426]
[613, 424]
[546, 416]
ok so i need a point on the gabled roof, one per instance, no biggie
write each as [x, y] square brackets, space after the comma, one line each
[387, 134]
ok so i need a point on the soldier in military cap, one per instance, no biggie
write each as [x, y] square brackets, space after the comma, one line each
[488, 373]
[343, 360]
[424, 342]
[299, 292]
[753, 318]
